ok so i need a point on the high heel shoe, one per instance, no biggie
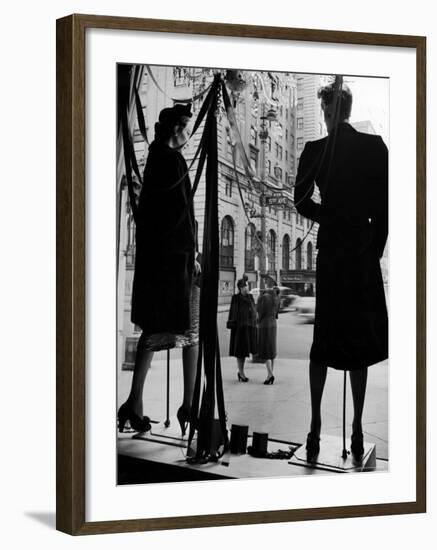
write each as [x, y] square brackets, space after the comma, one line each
[137, 423]
[312, 446]
[269, 381]
[242, 378]
[357, 446]
[183, 416]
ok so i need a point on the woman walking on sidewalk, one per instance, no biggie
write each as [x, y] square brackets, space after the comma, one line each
[268, 308]
[242, 322]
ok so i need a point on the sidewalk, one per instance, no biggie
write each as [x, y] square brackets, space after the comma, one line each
[283, 409]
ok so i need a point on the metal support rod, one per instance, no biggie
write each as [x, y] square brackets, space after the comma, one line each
[344, 452]
[167, 420]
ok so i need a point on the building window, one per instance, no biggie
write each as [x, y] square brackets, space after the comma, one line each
[286, 252]
[130, 244]
[269, 167]
[278, 173]
[286, 135]
[249, 248]
[286, 155]
[299, 254]
[227, 243]
[130, 349]
[228, 142]
[299, 103]
[253, 135]
[277, 149]
[180, 76]
[271, 249]
[300, 143]
[254, 159]
[309, 256]
[292, 142]
[300, 123]
[280, 152]
[269, 143]
[228, 187]
[286, 113]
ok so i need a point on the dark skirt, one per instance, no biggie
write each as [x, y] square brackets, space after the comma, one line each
[351, 324]
[167, 340]
[243, 341]
[267, 343]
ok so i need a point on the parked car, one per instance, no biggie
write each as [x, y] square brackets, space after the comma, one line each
[286, 297]
[305, 308]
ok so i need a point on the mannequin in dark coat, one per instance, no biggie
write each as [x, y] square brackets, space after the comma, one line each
[164, 298]
[165, 244]
[350, 170]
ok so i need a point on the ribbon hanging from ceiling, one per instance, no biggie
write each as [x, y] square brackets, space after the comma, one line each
[212, 438]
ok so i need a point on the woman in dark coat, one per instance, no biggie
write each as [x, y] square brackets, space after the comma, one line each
[242, 322]
[267, 308]
[165, 298]
[351, 327]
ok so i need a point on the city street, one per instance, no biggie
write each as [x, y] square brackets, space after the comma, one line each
[282, 409]
[294, 336]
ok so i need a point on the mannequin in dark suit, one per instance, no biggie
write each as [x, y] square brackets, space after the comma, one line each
[350, 170]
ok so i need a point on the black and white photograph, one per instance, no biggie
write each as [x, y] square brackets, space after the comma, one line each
[252, 274]
[218, 274]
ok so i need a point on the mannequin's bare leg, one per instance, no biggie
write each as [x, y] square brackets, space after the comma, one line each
[317, 384]
[189, 362]
[143, 360]
[358, 380]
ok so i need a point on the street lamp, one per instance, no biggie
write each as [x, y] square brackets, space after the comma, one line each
[266, 120]
[237, 81]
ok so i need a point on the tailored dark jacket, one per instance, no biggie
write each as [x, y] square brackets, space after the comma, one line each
[350, 170]
[165, 244]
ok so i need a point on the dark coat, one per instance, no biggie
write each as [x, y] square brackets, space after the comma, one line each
[267, 308]
[351, 171]
[165, 244]
[242, 322]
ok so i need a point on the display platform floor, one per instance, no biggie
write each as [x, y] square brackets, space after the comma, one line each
[158, 456]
